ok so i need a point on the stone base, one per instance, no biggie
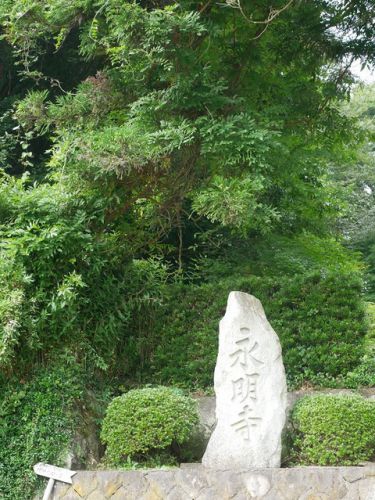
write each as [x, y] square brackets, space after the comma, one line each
[195, 482]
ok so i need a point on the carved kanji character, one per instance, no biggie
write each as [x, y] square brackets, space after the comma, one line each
[244, 353]
[246, 422]
[245, 387]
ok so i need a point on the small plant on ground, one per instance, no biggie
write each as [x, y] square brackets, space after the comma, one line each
[333, 430]
[142, 422]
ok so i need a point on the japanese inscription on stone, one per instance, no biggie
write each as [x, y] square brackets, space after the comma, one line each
[245, 387]
[250, 389]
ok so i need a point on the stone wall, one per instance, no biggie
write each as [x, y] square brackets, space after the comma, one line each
[206, 404]
[206, 408]
[194, 482]
[86, 451]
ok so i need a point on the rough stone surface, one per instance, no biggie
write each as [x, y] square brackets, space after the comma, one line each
[207, 417]
[194, 448]
[195, 482]
[86, 485]
[250, 388]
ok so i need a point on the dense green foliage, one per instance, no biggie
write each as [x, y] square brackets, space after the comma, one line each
[333, 430]
[154, 155]
[145, 420]
[52, 263]
[169, 152]
[37, 425]
[150, 136]
[356, 182]
[319, 318]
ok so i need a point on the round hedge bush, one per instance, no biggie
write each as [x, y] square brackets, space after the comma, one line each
[145, 420]
[333, 430]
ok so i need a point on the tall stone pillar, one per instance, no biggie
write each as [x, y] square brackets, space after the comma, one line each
[250, 387]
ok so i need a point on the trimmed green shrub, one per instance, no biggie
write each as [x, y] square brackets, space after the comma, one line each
[320, 319]
[333, 430]
[144, 420]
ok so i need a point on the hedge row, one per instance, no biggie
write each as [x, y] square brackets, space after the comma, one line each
[333, 430]
[320, 320]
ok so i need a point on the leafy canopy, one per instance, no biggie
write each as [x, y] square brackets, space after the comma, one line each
[145, 132]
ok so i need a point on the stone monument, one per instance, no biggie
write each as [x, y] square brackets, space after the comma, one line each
[250, 389]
